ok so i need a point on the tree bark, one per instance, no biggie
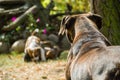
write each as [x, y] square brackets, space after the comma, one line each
[110, 11]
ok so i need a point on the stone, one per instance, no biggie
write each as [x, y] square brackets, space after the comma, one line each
[18, 46]
[53, 38]
[65, 45]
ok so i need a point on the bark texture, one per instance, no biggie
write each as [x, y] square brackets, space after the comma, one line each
[110, 11]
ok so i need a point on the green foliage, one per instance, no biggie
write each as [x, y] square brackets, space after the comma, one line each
[77, 5]
[30, 24]
[61, 6]
[45, 2]
[63, 55]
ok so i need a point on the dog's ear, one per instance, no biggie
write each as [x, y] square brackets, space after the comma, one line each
[97, 19]
[62, 26]
[67, 24]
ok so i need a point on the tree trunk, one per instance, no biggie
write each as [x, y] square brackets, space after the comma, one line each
[110, 11]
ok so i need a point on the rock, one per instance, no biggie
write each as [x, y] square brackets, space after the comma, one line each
[18, 46]
[53, 38]
[65, 45]
[47, 43]
[25, 34]
[43, 37]
[4, 47]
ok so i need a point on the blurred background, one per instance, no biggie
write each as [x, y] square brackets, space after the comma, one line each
[18, 19]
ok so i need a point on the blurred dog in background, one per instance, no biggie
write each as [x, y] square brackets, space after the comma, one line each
[33, 50]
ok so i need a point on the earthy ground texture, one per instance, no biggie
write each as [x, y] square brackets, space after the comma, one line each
[12, 67]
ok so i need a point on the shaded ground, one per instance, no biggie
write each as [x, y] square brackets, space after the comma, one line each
[12, 67]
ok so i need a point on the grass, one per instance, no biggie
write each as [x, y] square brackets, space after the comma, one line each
[12, 67]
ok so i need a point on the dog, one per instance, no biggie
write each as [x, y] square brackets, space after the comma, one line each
[52, 51]
[33, 50]
[91, 56]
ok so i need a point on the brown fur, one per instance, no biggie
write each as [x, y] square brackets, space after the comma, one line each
[52, 51]
[33, 50]
[91, 56]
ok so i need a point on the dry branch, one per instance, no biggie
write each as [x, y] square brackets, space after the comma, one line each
[20, 19]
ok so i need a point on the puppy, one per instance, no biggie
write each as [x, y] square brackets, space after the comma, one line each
[52, 51]
[33, 50]
[91, 56]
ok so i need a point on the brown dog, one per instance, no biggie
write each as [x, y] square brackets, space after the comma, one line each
[91, 57]
[33, 50]
[52, 51]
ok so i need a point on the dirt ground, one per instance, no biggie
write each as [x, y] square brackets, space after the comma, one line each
[12, 67]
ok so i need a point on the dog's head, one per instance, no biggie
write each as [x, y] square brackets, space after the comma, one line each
[34, 54]
[68, 23]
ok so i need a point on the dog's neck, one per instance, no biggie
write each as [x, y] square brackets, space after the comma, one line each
[85, 42]
[84, 25]
[87, 37]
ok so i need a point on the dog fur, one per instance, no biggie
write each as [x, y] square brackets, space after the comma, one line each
[33, 50]
[91, 56]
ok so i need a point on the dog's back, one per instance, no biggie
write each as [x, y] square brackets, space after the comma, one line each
[32, 42]
[97, 64]
[106, 64]
[91, 56]
[114, 57]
